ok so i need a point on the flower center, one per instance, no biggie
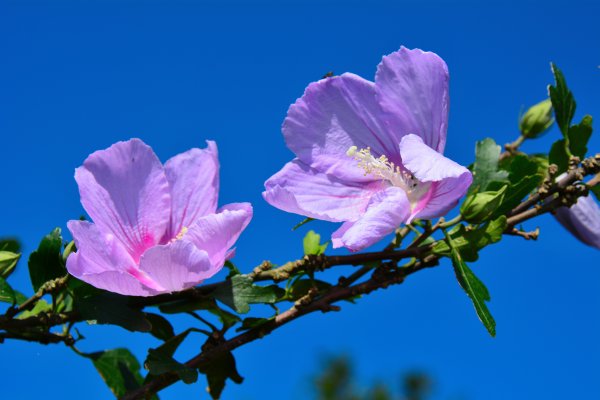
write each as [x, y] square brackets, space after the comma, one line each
[180, 235]
[385, 169]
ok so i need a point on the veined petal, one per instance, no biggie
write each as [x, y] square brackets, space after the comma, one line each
[300, 189]
[102, 261]
[449, 180]
[333, 115]
[582, 220]
[387, 210]
[217, 233]
[412, 86]
[125, 191]
[176, 266]
[194, 181]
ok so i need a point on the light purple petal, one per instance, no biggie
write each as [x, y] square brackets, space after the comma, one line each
[103, 262]
[177, 265]
[333, 115]
[388, 209]
[582, 220]
[217, 233]
[194, 181]
[125, 192]
[449, 180]
[300, 189]
[412, 85]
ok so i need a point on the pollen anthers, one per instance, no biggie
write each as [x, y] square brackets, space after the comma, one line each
[383, 168]
[180, 235]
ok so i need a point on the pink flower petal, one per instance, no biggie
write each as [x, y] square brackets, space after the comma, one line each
[412, 86]
[449, 180]
[301, 189]
[582, 220]
[388, 210]
[102, 261]
[177, 265]
[333, 115]
[125, 192]
[194, 181]
[217, 233]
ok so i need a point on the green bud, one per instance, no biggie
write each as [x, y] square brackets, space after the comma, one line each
[479, 207]
[536, 120]
[8, 262]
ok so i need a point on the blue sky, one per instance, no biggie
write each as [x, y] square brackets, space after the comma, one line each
[77, 76]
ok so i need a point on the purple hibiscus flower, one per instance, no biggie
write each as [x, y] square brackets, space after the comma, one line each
[156, 228]
[582, 219]
[369, 154]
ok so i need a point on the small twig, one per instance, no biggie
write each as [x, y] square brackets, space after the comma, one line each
[531, 235]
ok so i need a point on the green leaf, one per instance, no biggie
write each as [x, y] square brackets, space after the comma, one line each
[160, 360]
[119, 369]
[304, 221]
[218, 371]
[474, 288]
[10, 244]
[469, 242]
[7, 293]
[558, 155]
[8, 262]
[479, 207]
[233, 270]
[579, 135]
[181, 306]
[536, 120]
[524, 177]
[161, 328]
[596, 190]
[41, 306]
[485, 168]
[562, 101]
[46, 262]
[238, 292]
[312, 244]
[251, 323]
[111, 308]
[301, 287]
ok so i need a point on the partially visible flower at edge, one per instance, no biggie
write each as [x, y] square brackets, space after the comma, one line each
[369, 154]
[582, 219]
[156, 229]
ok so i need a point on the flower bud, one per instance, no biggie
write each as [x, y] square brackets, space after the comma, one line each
[536, 120]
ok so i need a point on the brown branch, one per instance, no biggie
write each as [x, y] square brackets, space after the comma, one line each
[324, 303]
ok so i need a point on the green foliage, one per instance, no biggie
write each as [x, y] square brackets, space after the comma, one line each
[227, 319]
[160, 360]
[101, 307]
[9, 295]
[562, 99]
[9, 256]
[41, 306]
[596, 191]
[119, 369]
[252, 322]
[485, 169]
[46, 262]
[474, 288]
[579, 135]
[479, 207]
[575, 144]
[536, 120]
[312, 244]
[239, 292]
[524, 176]
[218, 371]
[161, 327]
[300, 287]
[468, 242]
